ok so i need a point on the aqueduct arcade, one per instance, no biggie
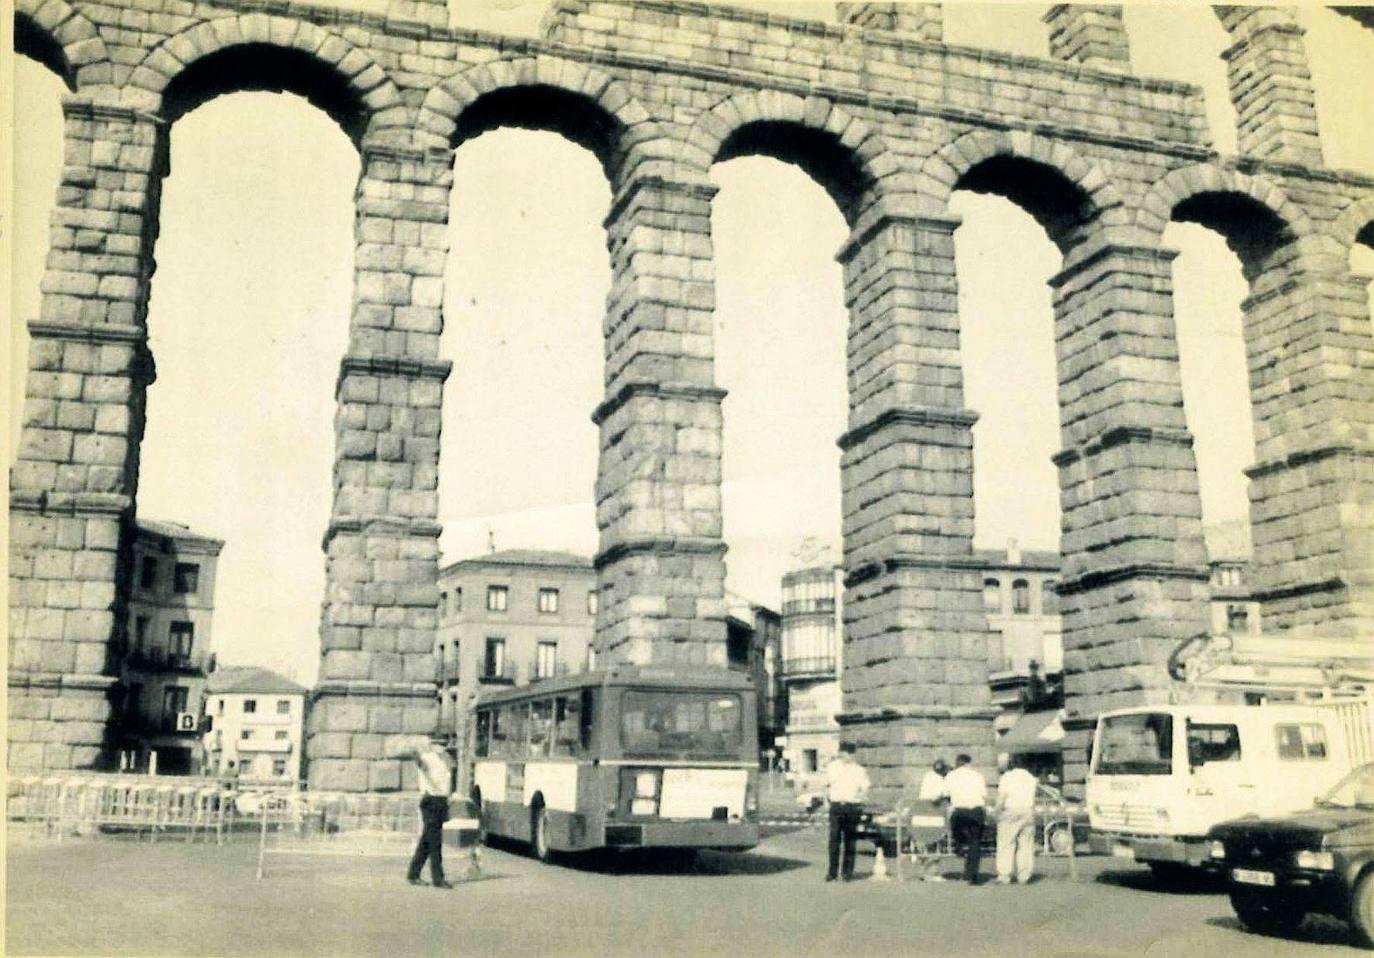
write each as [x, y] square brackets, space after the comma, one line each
[890, 120]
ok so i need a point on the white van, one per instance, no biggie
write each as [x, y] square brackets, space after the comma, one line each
[1162, 776]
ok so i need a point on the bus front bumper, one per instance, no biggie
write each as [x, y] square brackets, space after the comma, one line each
[1149, 848]
[736, 835]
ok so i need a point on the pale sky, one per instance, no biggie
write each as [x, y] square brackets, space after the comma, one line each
[251, 298]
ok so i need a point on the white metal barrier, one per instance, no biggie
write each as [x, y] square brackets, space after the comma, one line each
[354, 825]
[60, 806]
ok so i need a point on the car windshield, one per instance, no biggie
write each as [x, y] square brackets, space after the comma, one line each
[1141, 743]
[1356, 790]
[666, 724]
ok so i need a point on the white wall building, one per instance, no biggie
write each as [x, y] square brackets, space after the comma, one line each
[812, 630]
[256, 720]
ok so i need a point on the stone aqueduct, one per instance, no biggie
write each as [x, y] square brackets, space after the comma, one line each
[890, 121]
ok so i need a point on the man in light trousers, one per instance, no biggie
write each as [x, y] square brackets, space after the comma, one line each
[1015, 810]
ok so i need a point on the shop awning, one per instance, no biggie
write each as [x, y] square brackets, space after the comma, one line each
[1033, 732]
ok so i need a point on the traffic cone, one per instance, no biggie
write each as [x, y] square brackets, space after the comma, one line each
[879, 866]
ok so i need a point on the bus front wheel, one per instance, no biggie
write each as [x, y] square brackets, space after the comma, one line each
[540, 835]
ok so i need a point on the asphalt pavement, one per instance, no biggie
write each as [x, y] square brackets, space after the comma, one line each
[125, 897]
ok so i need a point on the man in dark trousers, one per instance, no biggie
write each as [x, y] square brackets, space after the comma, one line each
[846, 785]
[435, 778]
[968, 794]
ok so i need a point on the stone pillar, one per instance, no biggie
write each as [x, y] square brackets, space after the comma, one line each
[914, 684]
[1135, 577]
[73, 483]
[1310, 351]
[661, 563]
[1092, 35]
[1271, 86]
[921, 21]
[376, 695]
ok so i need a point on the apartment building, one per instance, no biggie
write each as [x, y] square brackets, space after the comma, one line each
[812, 659]
[256, 720]
[165, 657]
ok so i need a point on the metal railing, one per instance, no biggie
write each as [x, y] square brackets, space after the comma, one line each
[810, 665]
[61, 806]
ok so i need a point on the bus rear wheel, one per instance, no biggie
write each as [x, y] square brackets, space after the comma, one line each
[539, 830]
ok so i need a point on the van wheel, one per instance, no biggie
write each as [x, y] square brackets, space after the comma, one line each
[540, 835]
[1060, 840]
[1266, 914]
[1362, 909]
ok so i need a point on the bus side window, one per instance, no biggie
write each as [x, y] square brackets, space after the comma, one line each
[541, 713]
[586, 715]
[483, 733]
[498, 732]
[518, 714]
[567, 728]
[1212, 743]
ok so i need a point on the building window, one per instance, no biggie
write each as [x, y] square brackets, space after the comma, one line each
[1049, 597]
[180, 638]
[283, 706]
[279, 767]
[1020, 597]
[246, 734]
[187, 578]
[147, 572]
[456, 600]
[443, 603]
[545, 660]
[174, 698]
[593, 602]
[496, 598]
[591, 659]
[281, 735]
[250, 706]
[810, 760]
[131, 698]
[219, 706]
[140, 634]
[495, 664]
[1237, 618]
[548, 600]
[992, 596]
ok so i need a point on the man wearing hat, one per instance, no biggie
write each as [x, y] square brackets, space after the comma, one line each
[434, 777]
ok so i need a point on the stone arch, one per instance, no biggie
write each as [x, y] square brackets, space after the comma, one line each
[602, 114]
[943, 171]
[1355, 224]
[1189, 182]
[62, 39]
[342, 79]
[845, 154]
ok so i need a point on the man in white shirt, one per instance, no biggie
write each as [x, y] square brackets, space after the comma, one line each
[1015, 822]
[434, 777]
[932, 788]
[968, 793]
[846, 786]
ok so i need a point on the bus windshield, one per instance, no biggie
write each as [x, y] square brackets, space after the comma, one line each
[1139, 744]
[680, 723]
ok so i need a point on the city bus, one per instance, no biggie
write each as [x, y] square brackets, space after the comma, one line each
[627, 757]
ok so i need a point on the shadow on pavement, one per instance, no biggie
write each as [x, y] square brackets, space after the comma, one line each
[1180, 883]
[1315, 930]
[670, 862]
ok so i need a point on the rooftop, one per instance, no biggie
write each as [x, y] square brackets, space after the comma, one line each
[175, 530]
[251, 678]
[543, 558]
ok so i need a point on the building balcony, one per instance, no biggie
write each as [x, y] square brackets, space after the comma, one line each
[504, 675]
[161, 660]
[264, 745]
[824, 605]
[816, 665]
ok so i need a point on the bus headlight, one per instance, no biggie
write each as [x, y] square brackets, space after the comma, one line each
[1217, 850]
[1318, 861]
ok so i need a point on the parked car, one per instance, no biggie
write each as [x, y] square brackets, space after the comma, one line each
[1319, 860]
[1060, 823]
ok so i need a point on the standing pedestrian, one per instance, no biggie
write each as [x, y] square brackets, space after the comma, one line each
[932, 787]
[435, 777]
[1015, 810]
[968, 794]
[846, 786]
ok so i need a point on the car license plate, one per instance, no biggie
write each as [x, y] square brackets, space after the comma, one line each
[1248, 877]
[1123, 851]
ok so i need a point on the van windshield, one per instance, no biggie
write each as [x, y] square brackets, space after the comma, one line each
[667, 724]
[1138, 744]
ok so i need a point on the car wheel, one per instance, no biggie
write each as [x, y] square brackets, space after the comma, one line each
[1059, 840]
[1362, 909]
[1266, 914]
[541, 835]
